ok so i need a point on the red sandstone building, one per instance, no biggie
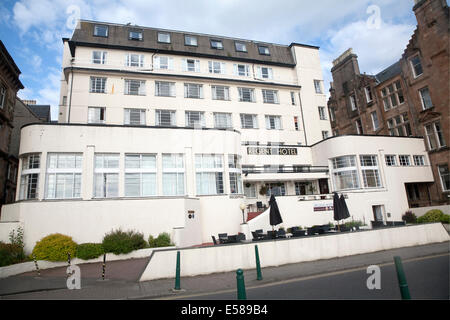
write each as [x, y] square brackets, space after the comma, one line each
[409, 98]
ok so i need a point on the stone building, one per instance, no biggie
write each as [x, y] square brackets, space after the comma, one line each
[409, 98]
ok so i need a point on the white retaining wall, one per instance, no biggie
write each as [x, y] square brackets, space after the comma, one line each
[227, 258]
[422, 210]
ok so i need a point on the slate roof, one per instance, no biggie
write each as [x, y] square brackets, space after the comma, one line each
[41, 111]
[389, 72]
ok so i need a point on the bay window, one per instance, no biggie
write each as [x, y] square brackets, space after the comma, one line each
[209, 174]
[63, 176]
[173, 174]
[345, 173]
[29, 179]
[140, 175]
[106, 175]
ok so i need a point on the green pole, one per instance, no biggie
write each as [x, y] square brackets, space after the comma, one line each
[177, 273]
[258, 266]
[404, 290]
[241, 295]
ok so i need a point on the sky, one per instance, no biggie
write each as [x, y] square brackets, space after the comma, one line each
[377, 30]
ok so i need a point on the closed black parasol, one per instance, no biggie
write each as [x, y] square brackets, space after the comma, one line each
[336, 207]
[274, 214]
[345, 212]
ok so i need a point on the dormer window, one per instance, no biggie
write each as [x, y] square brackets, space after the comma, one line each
[241, 47]
[135, 35]
[264, 50]
[190, 40]
[100, 30]
[163, 37]
[216, 44]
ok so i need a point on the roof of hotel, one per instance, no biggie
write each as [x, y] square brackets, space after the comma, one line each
[389, 72]
[118, 38]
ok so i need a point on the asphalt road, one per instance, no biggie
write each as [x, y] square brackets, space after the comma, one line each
[427, 277]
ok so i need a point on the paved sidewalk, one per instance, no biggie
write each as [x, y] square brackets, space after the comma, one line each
[122, 282]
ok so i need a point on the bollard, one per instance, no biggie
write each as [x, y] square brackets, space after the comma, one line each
[258, 266]
[177, 273]
[68, 258]
[36, 264]
[104, 266]
[404, 290]
[241, 295]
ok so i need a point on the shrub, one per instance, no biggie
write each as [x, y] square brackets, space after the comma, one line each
[445, 218]
[16, 239]
[88, 251]
[120, 242]
[10, 254]
[409, 217]
[431, 216]
[163, 240]
[55, 247]
[352, 224]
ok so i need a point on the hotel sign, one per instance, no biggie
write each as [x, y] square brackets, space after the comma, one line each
[272, 151]
[323, 207]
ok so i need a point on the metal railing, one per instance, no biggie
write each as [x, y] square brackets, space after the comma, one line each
[287, 169]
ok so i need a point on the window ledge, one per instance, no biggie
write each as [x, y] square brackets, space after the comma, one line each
[444, 148]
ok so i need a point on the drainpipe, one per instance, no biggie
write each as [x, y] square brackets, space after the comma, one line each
[303, 118]
[70, 97]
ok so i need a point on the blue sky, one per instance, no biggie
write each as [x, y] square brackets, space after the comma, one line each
[377, 30]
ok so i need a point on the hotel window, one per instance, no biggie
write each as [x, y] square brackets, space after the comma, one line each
[29, 179]
[353, 104]
[375, 123]
[345, 173]
[416, 66]
[106, 176]
[391, 160]
[135, 35]
[445, 177]
[368, 91]
[195, 119]
[264, 50]
[392, 95]
[359, 127]
[165, 118]
[216, 67]
[134, 87]
[216, 44]
[193, 90]
[99, 57]
[97, 85]
[164, 89]
[318, 86]
[222, 120]
[399, 126]
[322, 113]
[134, 117]
[2, 95]
[100, 31]
[296, 123]
[163, 63]
[249, 121]
[134, 60]
[63, 176]
[276, 189]
[246, 95]
[419, 160]
[190, 40]
[250, 191]
[273, 123]
[209, 174]
[96, 114]
[369, 169]
[234, 168]
[173, 174]
[140, 175]
[220, 93]
[163, 37]
[270, 96]
[435, 136]
[264, 73]
[304, 188]
[405, 160]
[241, 47]
[325, 135]
[242, 70]
[425, 98]
[293, 99]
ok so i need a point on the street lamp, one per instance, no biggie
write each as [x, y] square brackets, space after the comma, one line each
[243, 206]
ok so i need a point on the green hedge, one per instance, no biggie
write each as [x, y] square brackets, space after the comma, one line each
[55, 247]
[10, 254]
[88, 251]
[120, 242]
[163, 240]
[434, 215]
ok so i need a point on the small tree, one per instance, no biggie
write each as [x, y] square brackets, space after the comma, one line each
[409, 217]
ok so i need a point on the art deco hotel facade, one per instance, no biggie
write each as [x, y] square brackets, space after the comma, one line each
[168, 131]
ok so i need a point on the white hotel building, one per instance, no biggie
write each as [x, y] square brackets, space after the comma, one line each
[168, 131]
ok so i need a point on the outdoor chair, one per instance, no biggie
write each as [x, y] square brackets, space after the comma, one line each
[223, 237]
[259, 231]
[232, 239]
[214, 240]
[281, 233]
[271, 235]
[240, 237]
[257, 236]
[298, 233]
